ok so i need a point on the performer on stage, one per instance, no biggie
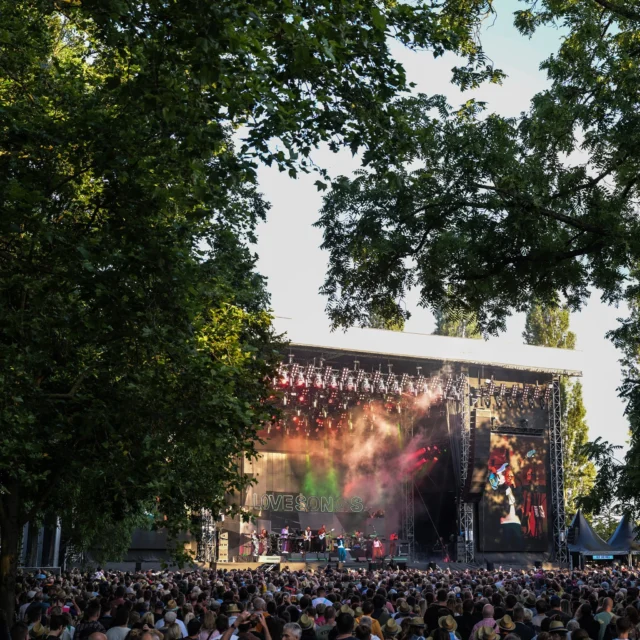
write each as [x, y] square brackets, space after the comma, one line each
[368, 548]
[284, 539]
[378, 554]
[255, 544]
[342, 552]
[322, 542]
[393, 544]
[307, 537]
[264, 542]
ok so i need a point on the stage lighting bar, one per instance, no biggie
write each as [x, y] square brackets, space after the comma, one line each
[535, 398]
[324, 389]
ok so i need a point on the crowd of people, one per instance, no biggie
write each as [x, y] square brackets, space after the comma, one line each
[328, 604]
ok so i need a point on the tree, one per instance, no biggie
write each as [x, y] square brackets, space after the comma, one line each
[579, 471]
[548, 326]
[484, 211]
[136, 346]
[377, 322]
[457, 324]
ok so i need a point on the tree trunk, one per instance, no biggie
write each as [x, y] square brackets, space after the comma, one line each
[10, 531]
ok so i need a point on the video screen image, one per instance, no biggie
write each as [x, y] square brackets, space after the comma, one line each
[514, 509]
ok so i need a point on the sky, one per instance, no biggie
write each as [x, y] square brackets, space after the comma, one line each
[289, 246]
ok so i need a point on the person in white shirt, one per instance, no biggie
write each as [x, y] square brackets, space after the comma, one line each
[320, 598]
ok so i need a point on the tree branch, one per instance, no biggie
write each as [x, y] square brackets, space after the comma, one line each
[74, 388]
[622, 11]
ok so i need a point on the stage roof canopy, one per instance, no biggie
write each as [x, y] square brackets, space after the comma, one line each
[588, 542]
[496, 352]
[624, 537]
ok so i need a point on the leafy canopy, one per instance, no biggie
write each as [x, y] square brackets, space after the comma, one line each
[485, 213]
[136, 345]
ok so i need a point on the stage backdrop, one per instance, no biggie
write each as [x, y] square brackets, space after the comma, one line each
[514, 508]
[313, 489]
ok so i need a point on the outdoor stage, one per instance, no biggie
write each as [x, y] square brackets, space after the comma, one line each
[453, 445]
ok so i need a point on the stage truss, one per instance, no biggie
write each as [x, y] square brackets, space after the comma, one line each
[557, 475]
[465, 509]
[408, 513]
[206, 549]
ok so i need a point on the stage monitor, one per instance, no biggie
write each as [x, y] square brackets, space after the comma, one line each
[514, 512]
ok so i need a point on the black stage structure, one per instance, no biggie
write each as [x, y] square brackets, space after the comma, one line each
[349, 449]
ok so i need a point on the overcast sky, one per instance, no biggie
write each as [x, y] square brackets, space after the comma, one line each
[292, 261]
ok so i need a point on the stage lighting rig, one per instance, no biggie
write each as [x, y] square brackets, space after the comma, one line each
[500, 395]
[488, 392]
[512, 398]
[535, 397]
[407, 385]
[524, 398]
[544, 401]
[448, 386]
[392, 382]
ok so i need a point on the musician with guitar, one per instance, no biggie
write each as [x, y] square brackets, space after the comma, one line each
[307, 538]
[322, 542]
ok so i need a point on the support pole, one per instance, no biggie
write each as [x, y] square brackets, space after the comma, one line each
[556, 459]
[465, 509]
[408, 511]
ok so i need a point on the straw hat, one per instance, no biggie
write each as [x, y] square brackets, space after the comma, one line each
[305, 622]
[391, 628]
[417, 622]
[486, 633]
[172, 605]
[506, 623]
[37, 631]
[233, 608]
[448, 623]
[345, 608]
[557, 627]
[404, 607]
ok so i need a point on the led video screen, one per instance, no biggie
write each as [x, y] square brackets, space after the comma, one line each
[514, 508]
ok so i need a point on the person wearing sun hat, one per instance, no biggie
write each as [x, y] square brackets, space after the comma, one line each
[390, 629]
[449, 624]
[404, 610]
[416, 628]
[486, 633]
[557, 629]
[307, 625]
[506, 625]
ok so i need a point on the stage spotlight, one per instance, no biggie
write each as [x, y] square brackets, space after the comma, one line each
[447, 387]
[489, 392]
[513, 396]
[318, 382]
[300, 380]
[284, 379]
[351, 383]
[535, 397]
[544, 401]
[501, 394]
[524, 398]
[366, 385]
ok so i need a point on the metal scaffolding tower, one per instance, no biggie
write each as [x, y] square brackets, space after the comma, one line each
[206, 550]
[408, 513]
[465, 509]
[556, 456]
